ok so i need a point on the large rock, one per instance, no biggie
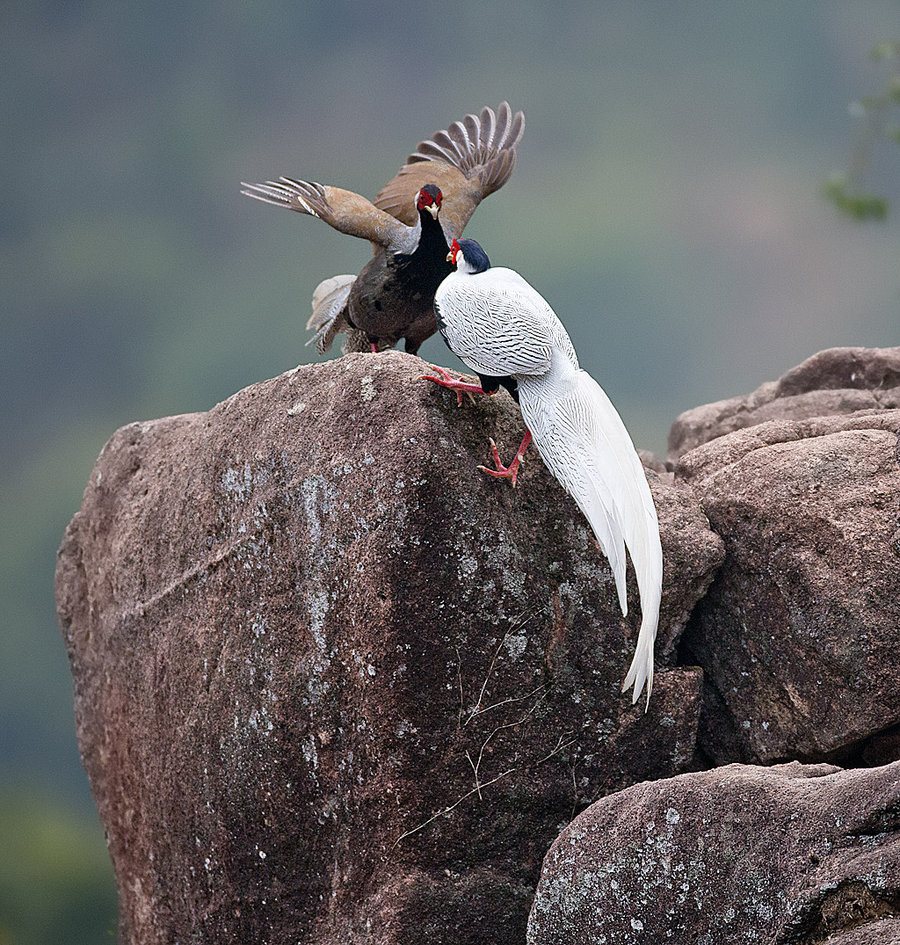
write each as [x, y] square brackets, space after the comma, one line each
[799, 637]
[791, 854]
[334, 685]
[835, 381]
[879, 932]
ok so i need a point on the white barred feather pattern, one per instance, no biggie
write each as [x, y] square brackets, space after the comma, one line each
[507, 328]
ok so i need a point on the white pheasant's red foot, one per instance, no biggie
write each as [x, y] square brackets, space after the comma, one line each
[460, 387]
[511, 471]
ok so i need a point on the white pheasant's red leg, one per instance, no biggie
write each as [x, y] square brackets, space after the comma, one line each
[512, 470]
[460, 387]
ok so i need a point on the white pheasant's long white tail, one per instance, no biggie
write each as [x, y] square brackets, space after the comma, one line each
[584, 443]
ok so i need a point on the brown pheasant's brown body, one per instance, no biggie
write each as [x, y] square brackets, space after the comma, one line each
[393, 295]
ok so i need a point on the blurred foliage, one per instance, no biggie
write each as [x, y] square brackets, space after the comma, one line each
[55, 875]
[874, 114]
[858, 206]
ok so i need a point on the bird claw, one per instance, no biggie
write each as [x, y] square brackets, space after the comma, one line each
[511, 471]
[457, 386]
[500, 470]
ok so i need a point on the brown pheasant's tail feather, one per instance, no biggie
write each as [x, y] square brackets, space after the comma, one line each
[329, 307]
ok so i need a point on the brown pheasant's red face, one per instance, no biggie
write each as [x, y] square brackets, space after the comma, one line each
[430, 199]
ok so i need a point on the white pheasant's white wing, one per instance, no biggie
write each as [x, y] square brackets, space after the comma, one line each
[497, 323]
[586, 446]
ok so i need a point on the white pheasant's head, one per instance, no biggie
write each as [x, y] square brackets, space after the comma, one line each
[429, 198]
[468, 256]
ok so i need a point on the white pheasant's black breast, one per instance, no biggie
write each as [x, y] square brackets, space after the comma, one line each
[442, 325]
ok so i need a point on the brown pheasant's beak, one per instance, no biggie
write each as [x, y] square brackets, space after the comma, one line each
[433, 208]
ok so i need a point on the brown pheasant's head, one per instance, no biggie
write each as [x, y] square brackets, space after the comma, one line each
[429, 198]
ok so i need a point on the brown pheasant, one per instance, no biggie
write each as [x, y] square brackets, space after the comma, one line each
[411, 224]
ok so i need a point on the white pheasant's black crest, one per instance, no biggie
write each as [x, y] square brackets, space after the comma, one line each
[474, 255]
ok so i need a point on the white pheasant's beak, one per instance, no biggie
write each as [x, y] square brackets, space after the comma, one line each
[450, 258]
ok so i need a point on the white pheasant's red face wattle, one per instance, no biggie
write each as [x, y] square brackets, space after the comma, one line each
[454, 252]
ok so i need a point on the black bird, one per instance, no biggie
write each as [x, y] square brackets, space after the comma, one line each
[411, 224]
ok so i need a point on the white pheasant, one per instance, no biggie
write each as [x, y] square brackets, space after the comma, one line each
[500, 326]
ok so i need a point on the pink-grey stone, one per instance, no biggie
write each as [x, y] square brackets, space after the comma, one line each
[332, 684]
[799, 636]
[800, 854]
[834, 381]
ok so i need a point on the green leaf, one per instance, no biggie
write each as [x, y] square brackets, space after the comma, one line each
[859, 207]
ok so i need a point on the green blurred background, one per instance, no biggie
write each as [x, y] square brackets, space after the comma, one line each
[667, 202]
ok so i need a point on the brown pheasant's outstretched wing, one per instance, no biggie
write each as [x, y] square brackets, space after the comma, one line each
[342, 209]
[471, 159]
